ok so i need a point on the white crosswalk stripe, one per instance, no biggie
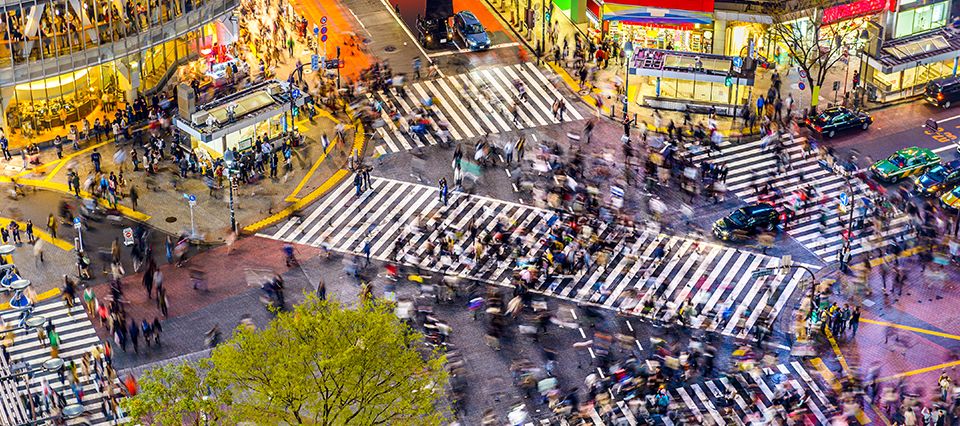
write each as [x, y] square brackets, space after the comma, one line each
[77, 336]
[647, 273]
[751, 167]
[747, 393]
[472, 104]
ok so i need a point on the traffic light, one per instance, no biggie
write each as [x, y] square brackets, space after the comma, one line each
[728, 81]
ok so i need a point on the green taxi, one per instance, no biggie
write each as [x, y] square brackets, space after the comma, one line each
[951, 199]
[904, 163]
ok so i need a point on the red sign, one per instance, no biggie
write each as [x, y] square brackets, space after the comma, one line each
[692, 5]
[594, 8]
[853, 10]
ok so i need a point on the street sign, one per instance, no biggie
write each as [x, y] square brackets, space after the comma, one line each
[738, 61]
[323, 20]
[323, 38]
[836, 86]
[844, 199]
[192, 200]
[323, 30]
[316, 31]
[315, 62]
[801, 86]
[295, 93]
[76, 222]
[762, 273]
[803, 74]
[127, 236]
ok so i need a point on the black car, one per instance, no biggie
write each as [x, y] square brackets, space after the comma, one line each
[939, 178]
[837, 119]
[746, 221]
[435, 32]
[943, 92]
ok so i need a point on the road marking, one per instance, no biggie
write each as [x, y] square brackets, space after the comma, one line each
[909, 328]
[924, 126]
[292, 198]
[53, 292]
[462, 50]
[917, 371]
[39, 233]
[945, 148]
[409, 34]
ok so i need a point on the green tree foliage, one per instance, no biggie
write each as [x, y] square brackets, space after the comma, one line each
[322, 364]
[178, 394]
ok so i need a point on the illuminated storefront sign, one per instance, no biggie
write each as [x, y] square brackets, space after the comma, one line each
[853, 10]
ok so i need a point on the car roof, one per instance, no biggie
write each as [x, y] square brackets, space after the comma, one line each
[759, 207]
[835, 110]
[468, 17]
[952, 165]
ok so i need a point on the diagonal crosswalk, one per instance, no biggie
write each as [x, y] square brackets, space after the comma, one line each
[77, 336]
[647, 273]
[474, 104]
[751, 167]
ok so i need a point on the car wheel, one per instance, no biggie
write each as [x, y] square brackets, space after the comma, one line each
[946, 104]
[831, 134]
[866, 125]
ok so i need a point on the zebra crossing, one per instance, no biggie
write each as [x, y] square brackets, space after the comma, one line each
[648, 274]
[77, 336]
[473, 104]
[752, 167]
[753, 394]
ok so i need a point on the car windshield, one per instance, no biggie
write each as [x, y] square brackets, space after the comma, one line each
[474, 29]
[824, 118]
[738, 218]
[938, 173]
[898, 160]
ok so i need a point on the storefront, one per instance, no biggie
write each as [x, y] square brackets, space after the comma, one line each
[687, 81]
[684, 25]
[901, 68]
[34, 108]
[236, 121]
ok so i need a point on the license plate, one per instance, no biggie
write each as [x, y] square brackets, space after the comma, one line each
[443, 40]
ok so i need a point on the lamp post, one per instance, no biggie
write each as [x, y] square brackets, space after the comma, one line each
[628, 54]
[230, 161]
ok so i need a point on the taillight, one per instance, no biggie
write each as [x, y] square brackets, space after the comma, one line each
[818, 128]
[940, 96]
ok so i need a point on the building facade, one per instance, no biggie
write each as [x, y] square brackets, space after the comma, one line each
[63, 61]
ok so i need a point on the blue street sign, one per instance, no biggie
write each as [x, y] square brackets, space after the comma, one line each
[192, 198]
[323, 20]
[323, 38]
[295, 93]
[323, 30]
[76, 220]
[316, 31]
[315, 62]
[738, 61]
[844, 199]
[801, 86]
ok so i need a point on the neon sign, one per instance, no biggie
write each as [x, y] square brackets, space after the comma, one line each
[852, 10]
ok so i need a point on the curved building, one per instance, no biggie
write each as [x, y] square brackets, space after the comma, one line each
[62, 61]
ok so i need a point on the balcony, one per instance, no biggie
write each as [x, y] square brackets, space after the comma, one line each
[45, 57]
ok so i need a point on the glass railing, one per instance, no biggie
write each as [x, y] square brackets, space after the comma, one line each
[46, 56]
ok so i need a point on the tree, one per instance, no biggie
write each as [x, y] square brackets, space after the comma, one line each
[815, 45]
[324, 364]
[178, 394]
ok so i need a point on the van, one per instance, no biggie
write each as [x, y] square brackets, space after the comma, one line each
[943, 92]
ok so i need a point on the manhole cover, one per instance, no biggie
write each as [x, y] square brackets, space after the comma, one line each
[170, 219]
[390, 48]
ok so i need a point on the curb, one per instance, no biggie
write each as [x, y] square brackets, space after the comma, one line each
[49, 294]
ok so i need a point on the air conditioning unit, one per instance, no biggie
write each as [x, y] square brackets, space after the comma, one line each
[200, 118]
[275, 89]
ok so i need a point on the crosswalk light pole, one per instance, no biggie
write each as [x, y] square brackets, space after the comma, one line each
[628, 54]
[229, 159]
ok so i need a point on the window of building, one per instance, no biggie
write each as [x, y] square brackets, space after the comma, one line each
[921, 19]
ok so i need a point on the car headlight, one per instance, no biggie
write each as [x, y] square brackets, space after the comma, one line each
[471, 42]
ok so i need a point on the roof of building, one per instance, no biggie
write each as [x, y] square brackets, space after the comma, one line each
[924, 47]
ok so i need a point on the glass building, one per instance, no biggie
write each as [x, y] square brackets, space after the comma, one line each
[63, 61]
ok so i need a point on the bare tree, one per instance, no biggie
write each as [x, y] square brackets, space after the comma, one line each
[814, 45]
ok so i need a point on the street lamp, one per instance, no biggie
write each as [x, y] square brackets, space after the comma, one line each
[231, 162]
[628, 54]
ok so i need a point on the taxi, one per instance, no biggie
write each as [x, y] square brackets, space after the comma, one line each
[904, 163]
[951, 199]
[938, 178]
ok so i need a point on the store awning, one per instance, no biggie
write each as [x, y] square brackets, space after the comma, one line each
[673, 12]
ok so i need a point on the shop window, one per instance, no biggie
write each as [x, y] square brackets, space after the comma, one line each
[920, 19]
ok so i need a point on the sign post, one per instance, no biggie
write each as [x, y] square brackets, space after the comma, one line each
[191, 201]
[127, 237]
[77, 225]
[323, 36]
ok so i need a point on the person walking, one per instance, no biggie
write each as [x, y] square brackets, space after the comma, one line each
[854, 321]
[134, 196]
[29, 232]
[518, 147]
[134, 332]
[52, 225]
[5, 146]
[442, 183]
[95, 157]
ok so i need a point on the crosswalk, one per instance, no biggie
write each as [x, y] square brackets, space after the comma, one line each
[473, 104]
[754, 394]
[77, 336]
[745, 398]
[751, 167]
[647, 273]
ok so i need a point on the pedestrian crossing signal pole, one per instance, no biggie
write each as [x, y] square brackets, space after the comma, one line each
[628, 53]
